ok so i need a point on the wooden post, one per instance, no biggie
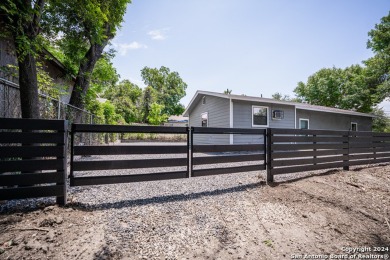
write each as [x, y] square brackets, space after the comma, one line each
[188, 152]
[346, 167]
[192, 152]
[270, 177]
[314, 150]
[61, 200]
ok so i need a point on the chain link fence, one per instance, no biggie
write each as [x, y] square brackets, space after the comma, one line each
[49, 108]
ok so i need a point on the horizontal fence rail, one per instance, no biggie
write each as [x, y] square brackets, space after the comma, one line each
[99, 165]
[33, 158]
[216, 155]
[297, 150]
[368, 148]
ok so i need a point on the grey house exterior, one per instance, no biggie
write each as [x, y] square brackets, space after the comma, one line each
[210, 109]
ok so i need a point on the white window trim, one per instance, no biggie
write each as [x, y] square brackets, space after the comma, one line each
[355, 124]
[304, 119]
[204, 113]
[253, 125]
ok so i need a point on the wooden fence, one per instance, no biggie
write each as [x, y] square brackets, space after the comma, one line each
[95, 165]
[227, 153]
[296, 150]
[33, 158]
[33, 155]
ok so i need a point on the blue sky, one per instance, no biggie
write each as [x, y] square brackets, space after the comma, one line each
[252, 47]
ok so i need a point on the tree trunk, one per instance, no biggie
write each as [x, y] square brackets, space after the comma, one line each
[28, 84]
[83, 78]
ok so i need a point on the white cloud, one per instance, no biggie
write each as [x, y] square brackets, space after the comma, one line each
[158, 35]
[123, 48]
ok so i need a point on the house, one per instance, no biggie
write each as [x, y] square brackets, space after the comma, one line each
[210, 109]
[9, 81]
[55, 69]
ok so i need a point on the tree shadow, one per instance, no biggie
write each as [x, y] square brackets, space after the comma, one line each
[163, 199]
[329, 172]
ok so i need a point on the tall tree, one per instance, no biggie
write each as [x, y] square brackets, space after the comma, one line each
[149, 96]
[21, 20]
[87, 27]
[345, 89]
[169, 87]
[126, 97]
[378, 67]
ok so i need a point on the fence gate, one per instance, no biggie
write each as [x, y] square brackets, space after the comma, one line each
[253, 155]
[86, 163]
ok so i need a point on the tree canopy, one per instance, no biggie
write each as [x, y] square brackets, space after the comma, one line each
[169, 88]
[340, 88]
[356, 87]
[86, 27]
[21, 20]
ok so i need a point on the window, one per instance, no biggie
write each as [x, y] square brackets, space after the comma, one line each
[259, 116]
[277, 114]
[205, 119]
[204, 100]
[303, 123]
[354, 126]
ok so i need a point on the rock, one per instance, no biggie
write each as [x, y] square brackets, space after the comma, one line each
[59, 220]
[50, 237]
[49, 208]
[50, 221]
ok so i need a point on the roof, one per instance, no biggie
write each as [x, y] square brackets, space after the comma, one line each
[56, 62]
[303, 106]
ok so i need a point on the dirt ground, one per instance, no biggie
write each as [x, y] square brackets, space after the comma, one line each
[319, 217]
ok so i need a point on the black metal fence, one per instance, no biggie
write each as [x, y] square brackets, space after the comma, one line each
[33, 158]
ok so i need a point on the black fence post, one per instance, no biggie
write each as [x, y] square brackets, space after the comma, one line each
[61, 200]
[346, 167]
[270, 177]
[71, 176]
[188, 152]
[192, 151]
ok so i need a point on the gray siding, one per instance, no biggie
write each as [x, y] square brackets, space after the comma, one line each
[242, 118]
[218, 116]
[332, 121]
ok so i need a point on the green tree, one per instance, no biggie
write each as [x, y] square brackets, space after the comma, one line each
[87, 27]
[380, 123]
[149, 96]
[345, 89]
[21, 20]
[169, 88]
[156, 115]
[227, 91]
[280, 96]
[126, 98]
[378, 67]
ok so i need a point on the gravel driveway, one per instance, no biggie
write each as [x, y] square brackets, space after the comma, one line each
[232, 216]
